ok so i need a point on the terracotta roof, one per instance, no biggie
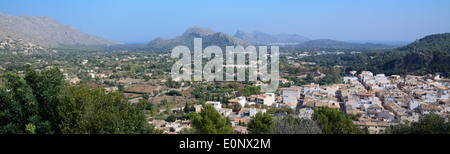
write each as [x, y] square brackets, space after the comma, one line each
[430, 107]
[440, 87]
[402, 114]
[363, 93]
[376, 106]
[262, 96]
[291, 89]
[373, 124]
[227, 109]
[234, 100]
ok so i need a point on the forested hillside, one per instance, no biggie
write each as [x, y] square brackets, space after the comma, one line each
[436, 42]
[426, 56]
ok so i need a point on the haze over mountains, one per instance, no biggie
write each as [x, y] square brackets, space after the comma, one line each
[209, 37]
[48, 32]
[45, 31]
[257, 38]
[328, 43]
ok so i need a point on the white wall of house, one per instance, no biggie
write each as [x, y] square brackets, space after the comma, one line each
[242, 100]
[216, 105]
[413, 104]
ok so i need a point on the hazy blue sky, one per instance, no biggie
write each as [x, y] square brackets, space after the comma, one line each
[348, 20]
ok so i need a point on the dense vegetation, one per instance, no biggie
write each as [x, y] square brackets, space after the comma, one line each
[42, 103]
[334, 121]
[333, 75]
[260, 124]
[430, 124]
[327, 43]
[325, 120]
[436, 42]
[426, 56]
[294, 125]
[209, 121]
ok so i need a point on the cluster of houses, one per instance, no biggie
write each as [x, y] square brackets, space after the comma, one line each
[171, 127]
[374, 101]
[243, 116]
[378, 101]
[389, 100]
[238, 119]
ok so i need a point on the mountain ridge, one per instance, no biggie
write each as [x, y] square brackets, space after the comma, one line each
[209, 37]
[259, 38]
[434, 42]
[45, 31]
[428, 55]
[329, 43]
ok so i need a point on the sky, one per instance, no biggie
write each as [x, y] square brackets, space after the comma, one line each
[140, 21]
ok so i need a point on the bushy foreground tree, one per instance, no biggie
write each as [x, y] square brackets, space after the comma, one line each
[260, 124]
[209, 121]
[333, 121]
[430, 124]
[294, 125]
[31, 102]
[42, 103]
[88, 110]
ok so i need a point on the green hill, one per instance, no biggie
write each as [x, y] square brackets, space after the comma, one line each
[428, 55]
[436, 42]
[328, 43]
[419, 63]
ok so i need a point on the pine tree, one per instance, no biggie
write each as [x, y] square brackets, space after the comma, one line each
[209, 121]
[260, 124]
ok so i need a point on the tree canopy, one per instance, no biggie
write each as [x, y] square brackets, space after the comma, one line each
[260, 124]
[31, 102]
[42, 103]
[209, 121]
[333, 121]
[430, 124]
[294, 125]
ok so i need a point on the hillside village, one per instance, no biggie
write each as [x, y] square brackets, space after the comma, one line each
[378, 100]
[266, 67]
[313, 74]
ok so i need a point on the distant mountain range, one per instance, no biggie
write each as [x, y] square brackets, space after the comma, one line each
[48, 32]
[260, 38]
[45, 31]
[209, 37]
[328, 43]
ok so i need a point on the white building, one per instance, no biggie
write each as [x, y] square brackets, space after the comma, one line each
[265, 99]
[241, 100]
[348, 80]
[216, 105]
[290, 95]
[244, 112]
